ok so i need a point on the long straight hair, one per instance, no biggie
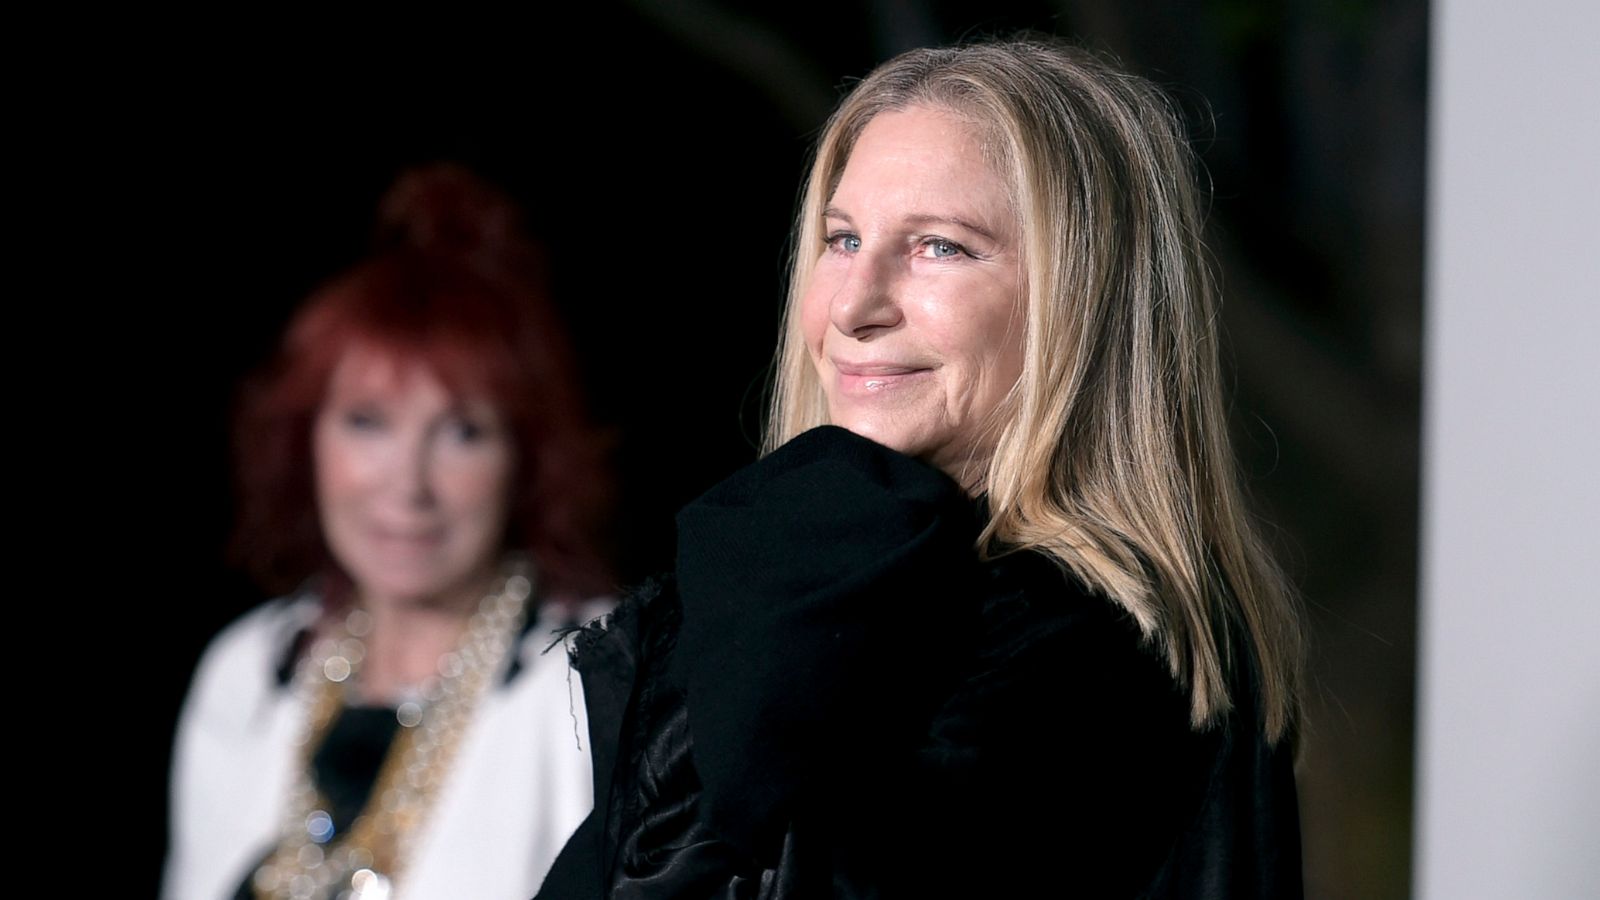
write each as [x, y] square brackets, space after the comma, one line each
[1112, 453]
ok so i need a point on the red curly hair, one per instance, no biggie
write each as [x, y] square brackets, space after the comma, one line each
[454, 285]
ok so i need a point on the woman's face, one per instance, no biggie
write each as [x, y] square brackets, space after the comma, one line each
[412, 481]
[913, 316]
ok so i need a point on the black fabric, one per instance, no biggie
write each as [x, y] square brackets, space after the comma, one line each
[837, 698]
[345, 767]
[824, 593]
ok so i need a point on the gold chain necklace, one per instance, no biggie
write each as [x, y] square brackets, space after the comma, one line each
[311, 862]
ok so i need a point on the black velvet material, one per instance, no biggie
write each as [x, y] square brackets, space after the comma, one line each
[836, 698]
[825, 592]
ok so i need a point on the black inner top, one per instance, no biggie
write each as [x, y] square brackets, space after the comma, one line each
[346, 766]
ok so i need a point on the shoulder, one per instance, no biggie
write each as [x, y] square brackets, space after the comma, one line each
[1029, 599]
[1030, 604]
[552, 622]
[249, 657]
[858, 509]
[1060, 706]
[275, 621]
[1055, 661]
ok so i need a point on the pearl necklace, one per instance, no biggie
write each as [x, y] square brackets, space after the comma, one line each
[365, 863]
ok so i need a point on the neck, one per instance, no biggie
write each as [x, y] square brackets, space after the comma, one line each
[408, 637]
[971, 473]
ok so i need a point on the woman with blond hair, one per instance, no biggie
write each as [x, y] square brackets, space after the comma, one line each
[989, 618]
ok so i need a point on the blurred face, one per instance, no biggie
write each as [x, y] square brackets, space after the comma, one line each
[412, 482]
[913, 316]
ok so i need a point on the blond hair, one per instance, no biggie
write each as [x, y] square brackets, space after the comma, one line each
[1112, 454]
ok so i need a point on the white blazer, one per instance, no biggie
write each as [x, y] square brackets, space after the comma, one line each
[519, 786]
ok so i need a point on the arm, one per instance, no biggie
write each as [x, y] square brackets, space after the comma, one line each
[858, 707]
[826, 590]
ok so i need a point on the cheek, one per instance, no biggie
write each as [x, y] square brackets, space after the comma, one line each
[997, 324]
[814, 309]
[478, 486]
[336, 468]
[1012, 336]
[987, 345]
[1001, 339]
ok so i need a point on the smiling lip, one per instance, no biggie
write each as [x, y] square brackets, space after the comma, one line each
[872, 377]
[401, 537]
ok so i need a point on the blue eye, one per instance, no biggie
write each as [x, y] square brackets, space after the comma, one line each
[939, 248]
[844, 242]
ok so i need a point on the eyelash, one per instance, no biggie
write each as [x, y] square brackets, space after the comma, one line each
[931, 242]
[835, 240]
[467, 431]
[363, 420]
[460, 428]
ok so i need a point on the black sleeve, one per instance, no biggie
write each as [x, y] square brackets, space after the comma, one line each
[825, 590]
[858, 707]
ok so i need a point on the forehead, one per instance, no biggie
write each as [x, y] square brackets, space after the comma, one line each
[368, 372]
[924, 154]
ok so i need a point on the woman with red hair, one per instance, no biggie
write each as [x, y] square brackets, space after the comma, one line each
[419, 450]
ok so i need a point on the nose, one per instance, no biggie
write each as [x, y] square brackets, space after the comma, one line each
[865, 304]
[413, 468]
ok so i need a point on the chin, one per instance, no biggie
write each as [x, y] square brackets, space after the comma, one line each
[869, 429]
[919, 445]
[410, 587]
[883, 432]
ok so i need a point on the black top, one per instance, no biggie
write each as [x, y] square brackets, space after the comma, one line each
[835, 697]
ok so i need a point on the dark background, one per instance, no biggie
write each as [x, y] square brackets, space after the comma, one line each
[659, 158]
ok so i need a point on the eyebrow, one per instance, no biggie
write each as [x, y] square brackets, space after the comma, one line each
[834, 212]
